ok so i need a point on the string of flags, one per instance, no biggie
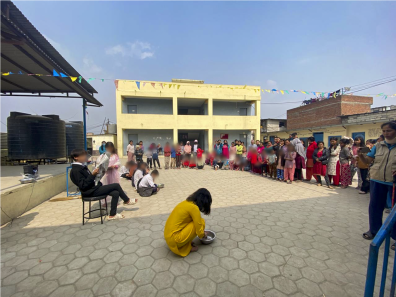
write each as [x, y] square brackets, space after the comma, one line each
[318, 95]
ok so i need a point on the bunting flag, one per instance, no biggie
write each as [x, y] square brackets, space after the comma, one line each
[319, 95]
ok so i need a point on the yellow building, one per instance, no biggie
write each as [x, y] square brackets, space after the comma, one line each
[366, 125]
[185, 110]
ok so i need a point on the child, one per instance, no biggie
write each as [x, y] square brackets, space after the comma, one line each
[124, 170]
[149, 155]
[167, 155]
[139, 154]
[192, 163]
[146, 186]
[232, 155]
[280, 166]
[178, 156]
[200, 162]
[173, 157]
[231, 161]
[132, 169]
[85, 181]
[290, 164]
[264, 171]
[217, 163]
[272, 163]
[139, 173]
[186, 162]
[155, 153]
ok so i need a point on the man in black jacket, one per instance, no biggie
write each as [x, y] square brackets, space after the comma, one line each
[85, 181]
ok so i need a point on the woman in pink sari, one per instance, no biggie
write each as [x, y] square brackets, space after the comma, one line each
[111, 176]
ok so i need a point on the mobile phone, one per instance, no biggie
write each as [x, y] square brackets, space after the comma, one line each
[364, 150]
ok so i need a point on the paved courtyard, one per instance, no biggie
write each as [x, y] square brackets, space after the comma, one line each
[273, 240]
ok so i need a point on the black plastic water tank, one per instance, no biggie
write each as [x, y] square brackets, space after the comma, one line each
[74, 136]
[33, 137]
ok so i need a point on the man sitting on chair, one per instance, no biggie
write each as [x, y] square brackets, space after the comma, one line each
[146, 186]
[85, 181]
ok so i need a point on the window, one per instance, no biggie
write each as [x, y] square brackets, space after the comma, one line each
[132, 108]
[243, 111]
[281, 124]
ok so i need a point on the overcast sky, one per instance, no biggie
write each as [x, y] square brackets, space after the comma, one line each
[311, 46]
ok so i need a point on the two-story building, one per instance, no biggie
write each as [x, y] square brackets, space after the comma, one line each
[185, 110]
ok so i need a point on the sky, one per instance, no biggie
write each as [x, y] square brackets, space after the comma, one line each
[311, 46]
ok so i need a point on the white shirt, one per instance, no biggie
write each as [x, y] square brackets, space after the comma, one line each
[195, 148]
[138, 175]
[131, 148]
[147, 182]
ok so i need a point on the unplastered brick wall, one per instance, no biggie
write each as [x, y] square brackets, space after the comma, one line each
[327, 112]
[373, 117]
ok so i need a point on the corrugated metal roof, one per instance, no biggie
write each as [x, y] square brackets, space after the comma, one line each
[30, 52]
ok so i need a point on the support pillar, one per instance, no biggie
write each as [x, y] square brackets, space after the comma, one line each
[174, 105]
[210, 106]
[210, 140]
[85, 123]
[175, 136]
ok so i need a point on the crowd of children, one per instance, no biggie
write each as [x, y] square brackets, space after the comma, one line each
[282, 160]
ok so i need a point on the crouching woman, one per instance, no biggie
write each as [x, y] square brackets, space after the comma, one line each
[185, 222]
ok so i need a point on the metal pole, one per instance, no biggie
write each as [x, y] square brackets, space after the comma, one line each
[85, 123]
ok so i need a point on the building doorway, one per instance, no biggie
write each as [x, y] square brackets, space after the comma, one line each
[192, 135]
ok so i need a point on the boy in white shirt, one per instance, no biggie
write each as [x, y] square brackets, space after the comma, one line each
[147, 187]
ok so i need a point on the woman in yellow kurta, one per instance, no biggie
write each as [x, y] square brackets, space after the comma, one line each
[185, 222]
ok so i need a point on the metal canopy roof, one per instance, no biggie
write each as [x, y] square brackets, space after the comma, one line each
[24, 48]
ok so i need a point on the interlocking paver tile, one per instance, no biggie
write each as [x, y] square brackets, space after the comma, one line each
[303, 242]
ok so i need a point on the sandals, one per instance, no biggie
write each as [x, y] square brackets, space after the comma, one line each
[116, 217]
[131, 202]
[368, 235]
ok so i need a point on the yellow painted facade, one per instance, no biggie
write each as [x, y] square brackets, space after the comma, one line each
[182, 91]
[371, 131]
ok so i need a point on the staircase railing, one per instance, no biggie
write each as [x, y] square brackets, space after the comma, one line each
[383, 235]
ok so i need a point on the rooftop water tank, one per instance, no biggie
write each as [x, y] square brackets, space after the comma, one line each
[112, 128]
[34, 137]
[74, 136]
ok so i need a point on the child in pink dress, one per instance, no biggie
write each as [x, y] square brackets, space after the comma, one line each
[290, 164]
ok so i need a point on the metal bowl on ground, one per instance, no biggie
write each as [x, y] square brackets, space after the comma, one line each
[209, 238]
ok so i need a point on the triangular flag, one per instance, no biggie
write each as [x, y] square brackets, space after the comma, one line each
[153, 84]
[385, 97]
[268, 91]
[63, 75]
[89, 79]
[102, 79]
[178, 86]
[334, 94]
[116, 84]
[41, 75]
[273, 90]
[377, 95]
[262, 90]
[73, 78]
[244, 86]
[287, 91]
[282, 92]
[54, 73]
[138, 84]
[20, 72]
[170, 85]
[5, 74]
[11, 72]
[79, 79]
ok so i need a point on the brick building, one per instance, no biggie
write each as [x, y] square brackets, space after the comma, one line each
[342, 116]
[327, 112]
